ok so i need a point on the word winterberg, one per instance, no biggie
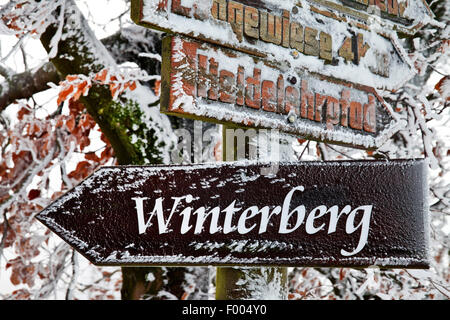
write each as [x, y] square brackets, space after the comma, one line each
[255, 218]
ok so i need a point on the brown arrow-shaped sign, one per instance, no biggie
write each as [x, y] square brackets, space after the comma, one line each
[340, 213]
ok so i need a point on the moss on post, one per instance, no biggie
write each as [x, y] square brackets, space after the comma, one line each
[243, 283]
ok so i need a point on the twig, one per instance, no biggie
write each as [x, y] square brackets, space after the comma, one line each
[24, 57]
[5, 72]
[74, 261]
[345, 155]
[304, 149]
[6, 226]
[436, 70]
[86, 287]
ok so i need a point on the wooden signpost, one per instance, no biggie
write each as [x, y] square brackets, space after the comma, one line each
[211, 83]
[295, 34]
[328, 214]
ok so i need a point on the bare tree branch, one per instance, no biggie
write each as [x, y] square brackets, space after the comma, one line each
[124, 45]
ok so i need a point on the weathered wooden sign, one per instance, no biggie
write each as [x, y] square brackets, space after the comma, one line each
[295, 33]
[347, 213]
[406, 16]
[212, 83]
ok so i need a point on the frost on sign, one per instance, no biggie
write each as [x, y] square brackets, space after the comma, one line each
[338, 213]
[406, 16]
[313, 36]
[212, 83]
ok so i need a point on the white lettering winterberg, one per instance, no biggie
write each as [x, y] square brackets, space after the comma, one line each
[244, 220]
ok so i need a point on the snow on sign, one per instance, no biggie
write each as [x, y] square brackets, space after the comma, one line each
[212, 83]
[339, 213]
[406, 16]
[315, 37]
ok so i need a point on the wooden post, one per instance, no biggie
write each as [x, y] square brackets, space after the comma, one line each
[248, 283]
